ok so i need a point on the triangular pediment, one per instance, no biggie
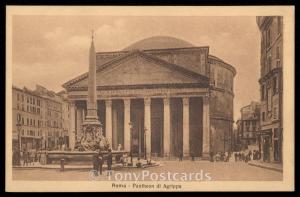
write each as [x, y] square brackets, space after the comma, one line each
[138, 68]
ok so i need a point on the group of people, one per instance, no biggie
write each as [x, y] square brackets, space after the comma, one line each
[25, 157]
[220, 156]
[247, 156]
[98, 161]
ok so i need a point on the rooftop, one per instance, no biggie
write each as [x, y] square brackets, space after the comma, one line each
[159, 42]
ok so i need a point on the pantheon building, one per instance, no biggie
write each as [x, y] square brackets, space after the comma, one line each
[161, 96]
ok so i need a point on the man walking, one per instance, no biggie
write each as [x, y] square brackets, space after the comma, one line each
[109, 161]
[25, 157]
[95, 164]
[100, 157]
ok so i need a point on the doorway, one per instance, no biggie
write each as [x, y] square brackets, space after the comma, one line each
[157, 113]
[176, 126]
[118, 123]
[137, 120]
[196, 126]
[266, 148]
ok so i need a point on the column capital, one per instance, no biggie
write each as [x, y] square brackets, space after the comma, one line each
[166, 100]
[126, 102]
[206, 99]
[185, 100]
[147, 101]
[72, 103]
[108, 103]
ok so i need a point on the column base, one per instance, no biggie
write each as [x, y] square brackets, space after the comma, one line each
[205, 156]
[166, 155]
[186, 156]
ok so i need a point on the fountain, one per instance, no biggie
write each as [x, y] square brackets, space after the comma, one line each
[92, 140]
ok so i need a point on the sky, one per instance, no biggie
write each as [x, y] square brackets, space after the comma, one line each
[50, 50]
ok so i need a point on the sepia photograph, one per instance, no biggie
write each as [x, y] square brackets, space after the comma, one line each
[108, 98]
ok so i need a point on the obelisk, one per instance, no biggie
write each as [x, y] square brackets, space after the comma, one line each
[91, 116]
[91, 127]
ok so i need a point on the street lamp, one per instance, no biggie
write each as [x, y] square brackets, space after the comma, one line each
[19, 126]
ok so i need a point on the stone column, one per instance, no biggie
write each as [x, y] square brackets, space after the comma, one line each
[108, 123]
[72, 125]
[166, 127]
[115, 128]
[186, 127]
[127, 134]
[147, 124]
[206, 128]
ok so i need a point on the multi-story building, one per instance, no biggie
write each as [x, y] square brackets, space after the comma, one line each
[236, 142]
[271, 87]
[28, 113]
[66, 123]
[248, 125]
[42, 117]
[52, 118]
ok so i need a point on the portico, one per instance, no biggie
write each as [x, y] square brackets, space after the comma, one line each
[159, 122]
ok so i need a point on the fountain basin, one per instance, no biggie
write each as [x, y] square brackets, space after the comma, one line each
[76, 157]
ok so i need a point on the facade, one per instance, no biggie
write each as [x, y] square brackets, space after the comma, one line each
[41, 117]
[66, 123]
[236, 143]
[27, 108]
[271, 87]
[248, 125]
[161, 96]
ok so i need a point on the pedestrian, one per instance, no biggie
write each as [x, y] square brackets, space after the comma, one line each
[119, 147]
[243, 156]
[36, 156]
[63, 147]
[250, 155]
[125, 159]
[21, 157]
[109, 159]
[100, 158]
[226, 156]
[180, 156]
[25, 162]
[39, 156]
[138, 163]
[211, 156]
[235, 157]
[31, 153]
[95, 164]
[218, 156]
[14, 157]
[222, 156]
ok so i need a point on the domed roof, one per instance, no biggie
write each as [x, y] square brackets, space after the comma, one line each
[159, 42]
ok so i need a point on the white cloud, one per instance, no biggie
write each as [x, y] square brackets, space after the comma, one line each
[77, 41]
[53, 35]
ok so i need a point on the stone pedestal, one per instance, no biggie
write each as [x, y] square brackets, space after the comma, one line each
[92, 138]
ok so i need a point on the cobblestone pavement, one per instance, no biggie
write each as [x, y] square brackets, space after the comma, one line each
[219, 171]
